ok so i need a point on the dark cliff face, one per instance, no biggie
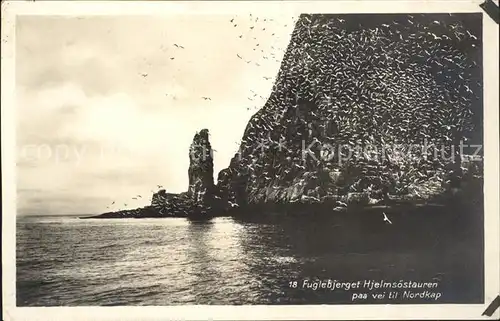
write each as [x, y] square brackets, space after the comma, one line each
[387, 82]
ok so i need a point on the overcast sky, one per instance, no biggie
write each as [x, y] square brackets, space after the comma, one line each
[108, 106]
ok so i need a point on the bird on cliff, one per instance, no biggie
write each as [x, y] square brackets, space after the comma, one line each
[386, 219]
[341, 203]
[159, 186]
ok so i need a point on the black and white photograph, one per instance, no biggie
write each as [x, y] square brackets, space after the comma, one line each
[252, 158]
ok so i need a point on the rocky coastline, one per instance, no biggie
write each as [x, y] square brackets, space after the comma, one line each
[348, 84]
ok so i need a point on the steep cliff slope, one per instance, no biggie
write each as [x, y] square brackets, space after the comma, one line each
[386, 82]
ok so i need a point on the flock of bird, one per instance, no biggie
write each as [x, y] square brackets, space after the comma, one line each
[402, 81]
[251, 28]
[137, 197]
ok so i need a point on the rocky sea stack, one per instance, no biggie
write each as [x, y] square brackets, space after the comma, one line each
[199, 200]
[351, 101]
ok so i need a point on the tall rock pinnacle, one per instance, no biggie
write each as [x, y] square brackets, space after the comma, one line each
[201, 168]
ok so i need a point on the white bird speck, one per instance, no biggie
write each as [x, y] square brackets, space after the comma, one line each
[386, 219]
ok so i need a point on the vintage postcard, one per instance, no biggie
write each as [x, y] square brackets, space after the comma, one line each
[249, 160]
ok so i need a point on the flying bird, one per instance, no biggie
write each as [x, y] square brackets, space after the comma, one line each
[178, 46]
[144, 75]
[239, 56]
[206, 98]
[386, 219]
